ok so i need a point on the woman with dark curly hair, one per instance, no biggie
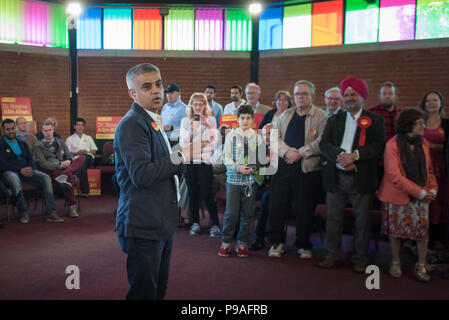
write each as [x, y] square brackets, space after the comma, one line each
[408, 186]
[436, 133]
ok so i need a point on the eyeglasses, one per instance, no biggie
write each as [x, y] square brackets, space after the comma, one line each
[421, 122]
[333, 99]
[302, 94]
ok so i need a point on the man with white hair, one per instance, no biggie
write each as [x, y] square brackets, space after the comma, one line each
[252, 92]
[332, 98]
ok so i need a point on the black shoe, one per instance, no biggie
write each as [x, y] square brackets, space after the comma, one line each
[256, 246]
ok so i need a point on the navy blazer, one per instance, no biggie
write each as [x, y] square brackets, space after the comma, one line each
[147, 206]
[9, 161]
[366, 176]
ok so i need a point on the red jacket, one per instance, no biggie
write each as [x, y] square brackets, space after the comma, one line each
[395, 187]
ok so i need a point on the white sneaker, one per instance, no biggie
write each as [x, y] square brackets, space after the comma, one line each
[276, 251]
[62, 181]
[73, 212]
[215, 232]
[195, 229]
[305, 254]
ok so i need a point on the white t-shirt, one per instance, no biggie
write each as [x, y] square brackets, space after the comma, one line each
[230, 108]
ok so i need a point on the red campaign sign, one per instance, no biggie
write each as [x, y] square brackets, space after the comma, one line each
[232, 122]
[13, 108]
[106, 127]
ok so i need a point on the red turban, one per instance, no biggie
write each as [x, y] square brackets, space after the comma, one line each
[357, 84]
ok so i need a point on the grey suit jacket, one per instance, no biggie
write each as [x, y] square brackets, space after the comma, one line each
[147, 205]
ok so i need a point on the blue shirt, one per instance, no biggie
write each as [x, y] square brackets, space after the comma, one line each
[22, 138]
[14, 146]
[217, 109]
[172, 114]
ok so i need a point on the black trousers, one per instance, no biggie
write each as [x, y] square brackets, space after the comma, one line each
[199, 178]
[262, 217]
[147, 267]
[290, 185]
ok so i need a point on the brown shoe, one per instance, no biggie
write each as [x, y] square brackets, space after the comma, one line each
[328, 263]
[360, 267]
[395, 270]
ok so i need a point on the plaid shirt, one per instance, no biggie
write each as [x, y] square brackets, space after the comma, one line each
[234, 156]
[389, 120]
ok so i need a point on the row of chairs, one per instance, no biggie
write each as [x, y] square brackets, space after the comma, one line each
[32, 194]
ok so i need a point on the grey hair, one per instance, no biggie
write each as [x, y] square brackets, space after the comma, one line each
[332, 89]
[139, 69]
[310, 84]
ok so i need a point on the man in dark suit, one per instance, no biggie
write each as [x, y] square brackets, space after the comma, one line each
[350, 145]
[147, 174]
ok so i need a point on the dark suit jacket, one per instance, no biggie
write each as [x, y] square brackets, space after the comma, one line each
[366, 177]
[147, 205]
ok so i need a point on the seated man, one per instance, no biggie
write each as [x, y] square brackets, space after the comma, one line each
[53, 156]
[82, 144]
[24, 134]
[40, 135]
[17, 166]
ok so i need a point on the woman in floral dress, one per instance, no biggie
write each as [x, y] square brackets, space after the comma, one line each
[407, 188]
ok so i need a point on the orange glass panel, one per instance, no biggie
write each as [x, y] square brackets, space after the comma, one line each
[327, 23]
[147, 29]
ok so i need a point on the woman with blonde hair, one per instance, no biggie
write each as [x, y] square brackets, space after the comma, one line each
[200, 127]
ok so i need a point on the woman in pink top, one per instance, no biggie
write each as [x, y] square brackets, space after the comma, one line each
[407, 188]
[436, 134]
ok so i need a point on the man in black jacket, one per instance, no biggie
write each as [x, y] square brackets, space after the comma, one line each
[17, 166]
[350, 145]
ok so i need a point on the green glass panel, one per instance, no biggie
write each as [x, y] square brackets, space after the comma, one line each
[58, 27]
[239, 28]
[432, 19]
[297, 26]
[179, 30]
[362, 21]
[10, 21]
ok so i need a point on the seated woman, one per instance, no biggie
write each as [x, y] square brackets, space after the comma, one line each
[408, 186]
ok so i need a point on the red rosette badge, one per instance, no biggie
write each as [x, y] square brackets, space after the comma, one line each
[363, 122]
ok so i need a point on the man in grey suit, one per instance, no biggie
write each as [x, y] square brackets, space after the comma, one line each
[147, 211]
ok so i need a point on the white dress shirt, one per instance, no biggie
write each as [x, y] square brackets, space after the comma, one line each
[348, 137]
[76, 143]
[230, 108]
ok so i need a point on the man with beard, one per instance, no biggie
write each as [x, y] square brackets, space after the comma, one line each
[216, 108]
[147, 173]
[388, 109]
[350, 145]
[237, 101]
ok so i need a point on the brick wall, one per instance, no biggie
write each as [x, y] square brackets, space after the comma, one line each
[102, 88]
[103, 91]
[414, 71]
[42, 77]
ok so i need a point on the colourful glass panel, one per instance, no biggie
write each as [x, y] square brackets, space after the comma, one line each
[432, 19]
[58, 27]
[270, 29]
[362, 21]
[147, 29]
[10, 21]
[397, 20]
[327, 23]
[117, 30]
[239, 30]
[179, 30]
[297, 28]
[88, 33]
[209, 30]
[35, 23]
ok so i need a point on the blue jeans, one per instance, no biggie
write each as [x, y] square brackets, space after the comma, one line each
[39, 179]
[239, 213]
[147, 266]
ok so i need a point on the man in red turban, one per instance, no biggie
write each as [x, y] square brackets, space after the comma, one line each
[350, 144]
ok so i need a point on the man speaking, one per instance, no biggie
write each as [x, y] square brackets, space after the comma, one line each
[148, 180]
